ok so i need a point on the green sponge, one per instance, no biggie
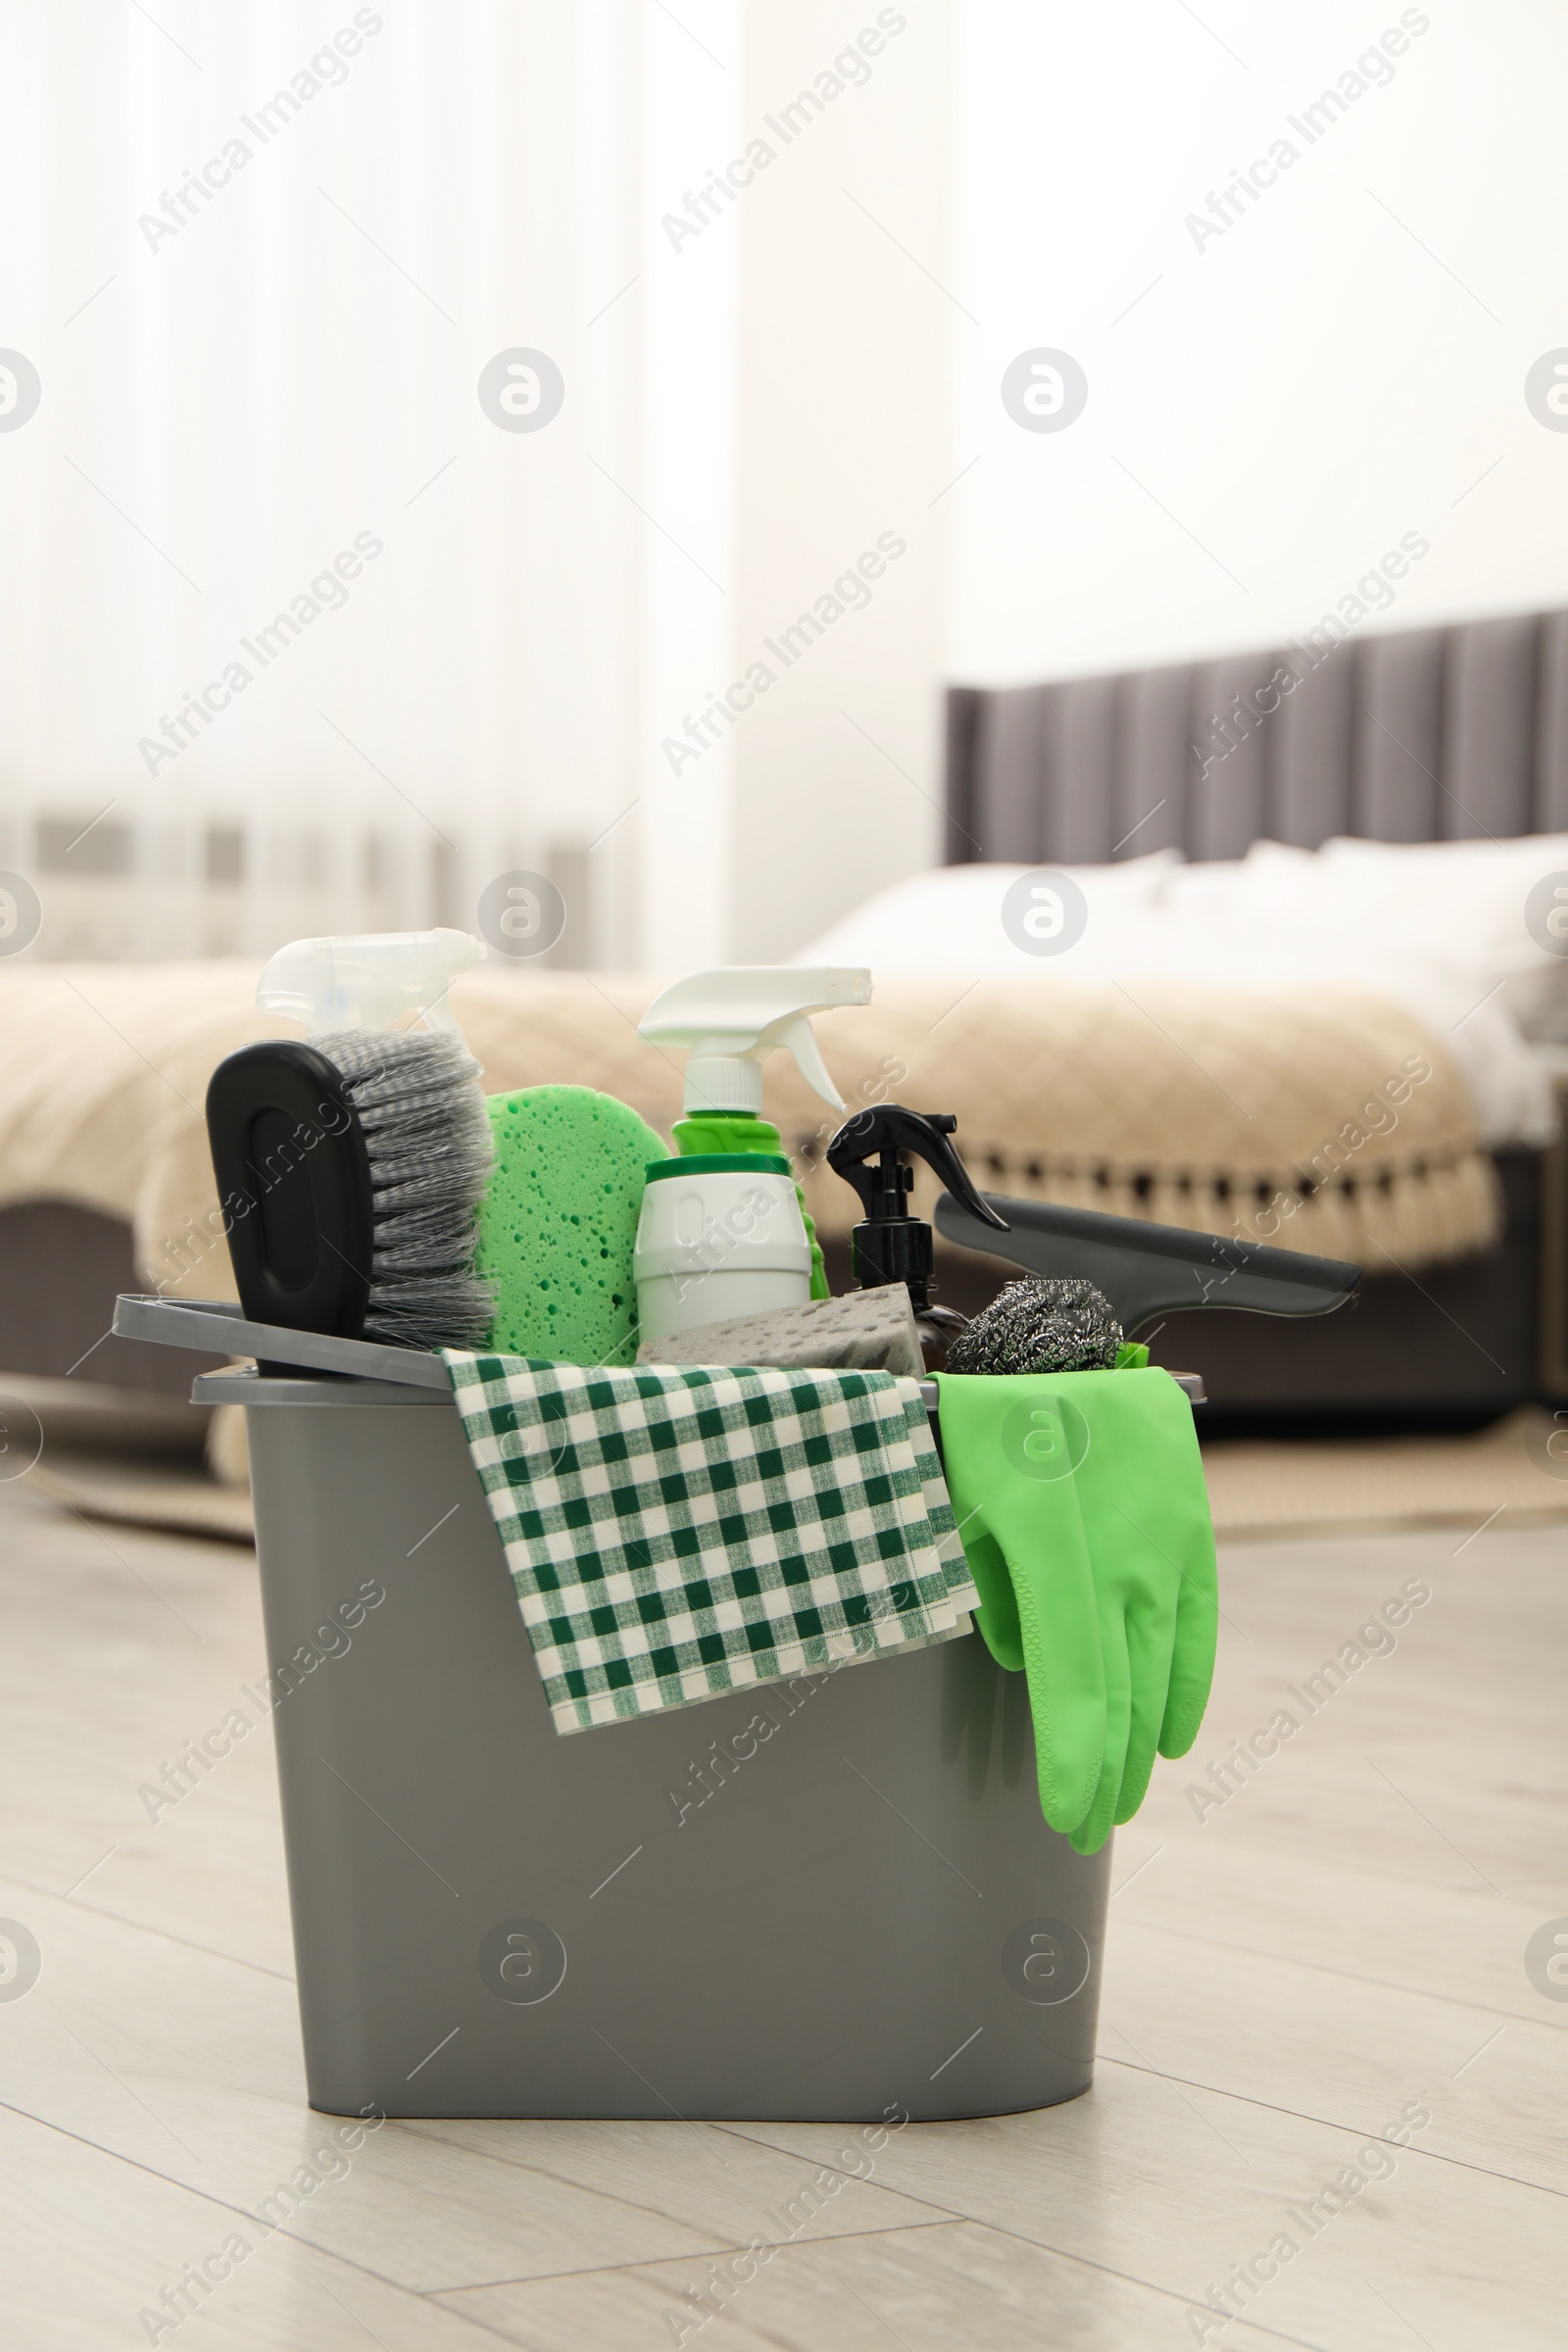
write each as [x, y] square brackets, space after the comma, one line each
[559, 1220]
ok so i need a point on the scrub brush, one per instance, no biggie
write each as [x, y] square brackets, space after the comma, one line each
[1043, 1324]
[350, 1167]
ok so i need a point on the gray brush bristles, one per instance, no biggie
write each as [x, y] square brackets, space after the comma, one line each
[430, 1149]
[1042, 1324]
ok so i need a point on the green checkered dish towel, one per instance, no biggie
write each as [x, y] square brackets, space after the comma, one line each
[674, 1532]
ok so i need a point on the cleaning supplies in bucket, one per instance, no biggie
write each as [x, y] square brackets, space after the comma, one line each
[720, 1234]
[676, 1533]
[891, 1246]
[1080, 1494]
[868, 1331]
[1080, 1501]
[1043, 1324]
[722, 1231]
[350, 1167]
[559, 1220]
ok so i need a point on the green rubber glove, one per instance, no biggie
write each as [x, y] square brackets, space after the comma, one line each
[1081, 1503]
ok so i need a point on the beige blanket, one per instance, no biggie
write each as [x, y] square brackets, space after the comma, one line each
[1329, 1123]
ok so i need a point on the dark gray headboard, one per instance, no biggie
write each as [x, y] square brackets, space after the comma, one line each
[1436, 734]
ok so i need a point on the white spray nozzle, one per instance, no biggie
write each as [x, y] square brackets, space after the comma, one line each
[727, 1020]
[375, 982]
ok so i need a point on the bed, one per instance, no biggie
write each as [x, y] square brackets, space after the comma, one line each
[1433, 736]
[1190, 1058]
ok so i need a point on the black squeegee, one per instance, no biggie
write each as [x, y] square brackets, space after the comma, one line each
[1147, 1270]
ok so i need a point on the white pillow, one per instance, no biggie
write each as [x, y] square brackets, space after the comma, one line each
[1460, 904]
[950, 919]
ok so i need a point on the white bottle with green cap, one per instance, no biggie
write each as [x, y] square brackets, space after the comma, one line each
[721, 1231]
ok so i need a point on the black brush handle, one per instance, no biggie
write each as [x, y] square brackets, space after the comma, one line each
[294, 1186]
[1149, 1271]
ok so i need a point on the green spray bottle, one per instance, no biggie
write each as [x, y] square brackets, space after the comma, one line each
[726, 1021]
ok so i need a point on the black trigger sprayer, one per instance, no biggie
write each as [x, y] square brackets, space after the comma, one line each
[891, 1246]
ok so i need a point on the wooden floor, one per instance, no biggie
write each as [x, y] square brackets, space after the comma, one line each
[1336, 1948]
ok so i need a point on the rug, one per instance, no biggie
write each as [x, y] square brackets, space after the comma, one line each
[174, 1500]
[1516, 1469]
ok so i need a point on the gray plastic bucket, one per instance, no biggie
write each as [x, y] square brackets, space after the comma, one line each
[821, 1901]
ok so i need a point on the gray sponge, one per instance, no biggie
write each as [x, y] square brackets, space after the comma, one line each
[1059, 1324]
[868, 1331]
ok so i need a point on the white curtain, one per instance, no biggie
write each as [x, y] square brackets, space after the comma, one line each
[259, 324]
